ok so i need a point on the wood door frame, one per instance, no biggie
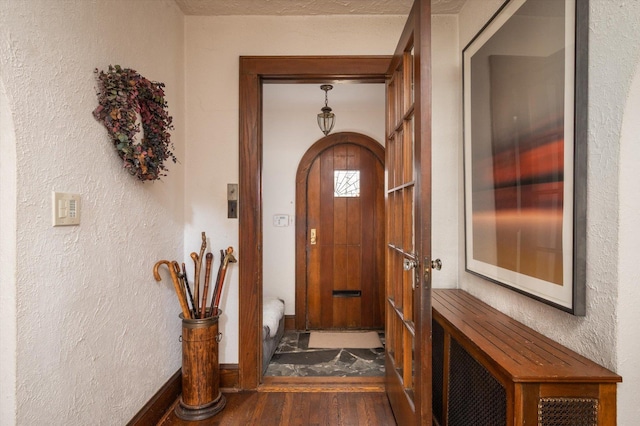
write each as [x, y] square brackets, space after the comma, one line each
[254, 72]
[302, 175]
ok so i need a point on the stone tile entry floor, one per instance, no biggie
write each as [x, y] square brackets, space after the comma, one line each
[294, 358]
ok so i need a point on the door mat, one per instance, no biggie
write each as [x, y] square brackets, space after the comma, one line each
[344, 339]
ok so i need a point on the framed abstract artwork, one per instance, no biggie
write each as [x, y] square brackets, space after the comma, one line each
[525, 135]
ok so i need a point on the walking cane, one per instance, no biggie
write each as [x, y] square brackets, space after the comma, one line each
[186, 284]
[176, 285]
[205, 291]
[228, 258]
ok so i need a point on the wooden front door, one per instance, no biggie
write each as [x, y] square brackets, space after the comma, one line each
[408, 246]
[340, 201]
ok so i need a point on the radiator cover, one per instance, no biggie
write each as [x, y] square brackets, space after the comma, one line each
[476, 398]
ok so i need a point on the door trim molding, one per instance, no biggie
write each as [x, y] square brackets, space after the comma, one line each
[302, 175]
[254, 72]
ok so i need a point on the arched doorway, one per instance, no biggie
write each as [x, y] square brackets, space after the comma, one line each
[340, 234]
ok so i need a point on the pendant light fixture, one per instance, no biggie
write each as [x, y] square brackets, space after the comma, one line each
[326, 119]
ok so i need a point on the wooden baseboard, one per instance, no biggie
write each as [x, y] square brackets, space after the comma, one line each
[154, 410]
[229, 378]
[289, 322]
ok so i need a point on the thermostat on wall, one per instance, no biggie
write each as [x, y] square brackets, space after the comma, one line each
[280, 220]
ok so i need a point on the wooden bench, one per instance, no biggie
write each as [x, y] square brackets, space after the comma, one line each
[489, 369]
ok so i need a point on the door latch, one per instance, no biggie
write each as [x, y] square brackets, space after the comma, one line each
[409, 264]
[313, 236]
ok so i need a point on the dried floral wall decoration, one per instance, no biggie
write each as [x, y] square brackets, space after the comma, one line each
[125, 97]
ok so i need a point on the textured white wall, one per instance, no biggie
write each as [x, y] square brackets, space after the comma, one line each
[290, 128]
[214, 45]
[96, 335]
[607, 334]
[628, 274]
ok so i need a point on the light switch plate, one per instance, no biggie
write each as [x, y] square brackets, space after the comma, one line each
[232, 192]
[66, 209]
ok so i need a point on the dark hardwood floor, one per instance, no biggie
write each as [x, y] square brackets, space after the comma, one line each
[298, 408]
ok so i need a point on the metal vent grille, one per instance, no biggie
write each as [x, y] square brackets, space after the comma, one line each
[476, 398]
[437, 371]
[567, 412]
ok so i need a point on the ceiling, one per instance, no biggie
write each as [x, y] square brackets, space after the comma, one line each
[311, 7]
